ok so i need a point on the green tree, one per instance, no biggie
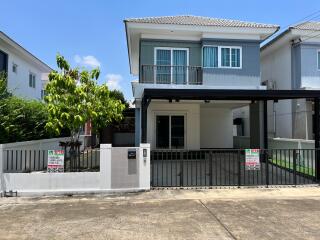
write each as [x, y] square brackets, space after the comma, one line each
[4, 93]
[116, 94]
[74, 98]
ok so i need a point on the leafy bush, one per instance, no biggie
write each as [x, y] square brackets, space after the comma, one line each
[20, 119]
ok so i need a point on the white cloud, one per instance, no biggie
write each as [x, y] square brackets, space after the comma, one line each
[113, 81]
[89, 61]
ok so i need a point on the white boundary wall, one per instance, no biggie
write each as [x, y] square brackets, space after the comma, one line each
[42, 144]
[82, 182]
[275, 143]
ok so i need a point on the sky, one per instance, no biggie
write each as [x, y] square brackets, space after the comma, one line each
[91, 33]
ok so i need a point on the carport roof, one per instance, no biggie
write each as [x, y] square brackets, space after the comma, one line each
[228, 94]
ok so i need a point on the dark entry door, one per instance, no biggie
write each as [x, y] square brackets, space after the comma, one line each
[170, 132]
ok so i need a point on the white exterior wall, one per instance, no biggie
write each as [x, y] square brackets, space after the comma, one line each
[112, 177]
[216, 128]
[276, 67]
[18, 83]
[192, 121]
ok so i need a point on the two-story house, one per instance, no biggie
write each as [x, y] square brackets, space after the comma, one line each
[292, 61]
[179, 58]
[26, 74]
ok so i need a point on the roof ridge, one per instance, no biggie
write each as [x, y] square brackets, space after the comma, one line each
[209, 21]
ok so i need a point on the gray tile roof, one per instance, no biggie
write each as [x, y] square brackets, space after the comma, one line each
[310, 25]
[199, 21]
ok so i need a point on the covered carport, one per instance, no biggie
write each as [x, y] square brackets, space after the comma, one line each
[258, 99]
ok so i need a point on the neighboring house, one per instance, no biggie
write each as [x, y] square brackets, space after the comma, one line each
[27, 75]
[292, 61]
[191, 54]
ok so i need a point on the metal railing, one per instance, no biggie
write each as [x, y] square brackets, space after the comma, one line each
[181, 168]
[169, 74]
[26, 161]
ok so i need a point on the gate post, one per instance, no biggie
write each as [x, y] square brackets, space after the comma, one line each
[265, 139]
[144, 166]
[210, 167]
[105, 166]
[239, 168]
[294, 167]
[181, 168]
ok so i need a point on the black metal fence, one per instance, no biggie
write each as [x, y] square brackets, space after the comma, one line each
[181, 168]
[25, 161]
[170, 74]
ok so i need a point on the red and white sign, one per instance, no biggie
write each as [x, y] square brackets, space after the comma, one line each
[252, 159]
[55, 161]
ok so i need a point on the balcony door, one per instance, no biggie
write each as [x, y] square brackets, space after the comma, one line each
[170, 131]
[171, 65]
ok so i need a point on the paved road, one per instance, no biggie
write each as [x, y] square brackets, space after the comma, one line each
[279, 213]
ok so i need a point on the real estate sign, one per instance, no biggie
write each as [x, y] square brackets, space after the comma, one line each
[252, 159]
[55, 161]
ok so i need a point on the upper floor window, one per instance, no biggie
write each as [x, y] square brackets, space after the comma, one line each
[43, 93]
[171, 65]
[222, 57]
[210, 56]
[3, 61]
[32, 80]
[14, 68]
[318, 59]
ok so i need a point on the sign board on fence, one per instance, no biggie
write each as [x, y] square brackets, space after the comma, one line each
[55, 161]
[252, 159]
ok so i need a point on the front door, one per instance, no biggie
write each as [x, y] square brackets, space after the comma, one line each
[170, 131]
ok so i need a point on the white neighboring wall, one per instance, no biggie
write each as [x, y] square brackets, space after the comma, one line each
[18, 82]
[276, 67]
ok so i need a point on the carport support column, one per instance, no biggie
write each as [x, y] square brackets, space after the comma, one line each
[265, 124]
[105, 166]
[316, 138]
[258, 125]
[144, 110]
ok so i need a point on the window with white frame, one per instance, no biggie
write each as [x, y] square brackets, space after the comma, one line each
[221, 57]
[210, 56]
[170, 131]
[171, 65]
[32, 80]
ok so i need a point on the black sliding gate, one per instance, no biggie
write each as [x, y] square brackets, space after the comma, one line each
[182, 168]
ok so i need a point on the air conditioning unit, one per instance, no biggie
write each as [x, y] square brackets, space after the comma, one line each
[270, 84]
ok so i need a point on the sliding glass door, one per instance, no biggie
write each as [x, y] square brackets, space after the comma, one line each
[171, 66]
[170, 132]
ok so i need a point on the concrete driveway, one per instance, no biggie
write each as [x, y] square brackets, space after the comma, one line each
[275, 213]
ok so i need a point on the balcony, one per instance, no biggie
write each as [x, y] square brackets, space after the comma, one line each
[169, 74]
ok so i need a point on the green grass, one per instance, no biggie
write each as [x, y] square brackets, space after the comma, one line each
[305, 170]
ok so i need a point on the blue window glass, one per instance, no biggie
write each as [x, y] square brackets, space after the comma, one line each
[163, 62]
[210, 57]
[235, 57]
[225, 57]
